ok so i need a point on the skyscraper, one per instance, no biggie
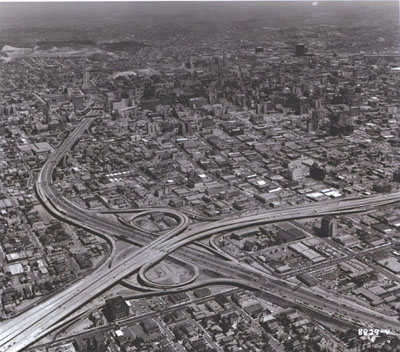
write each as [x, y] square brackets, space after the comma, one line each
[328, 226]
[300, 49]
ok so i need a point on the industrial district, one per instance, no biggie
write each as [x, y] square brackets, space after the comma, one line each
[200, 183]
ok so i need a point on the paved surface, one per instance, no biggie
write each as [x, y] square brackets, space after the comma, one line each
[40, 320]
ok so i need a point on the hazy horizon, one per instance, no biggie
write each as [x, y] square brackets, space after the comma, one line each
[27, 23]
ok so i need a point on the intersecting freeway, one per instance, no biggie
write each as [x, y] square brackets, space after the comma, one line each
[22, 331]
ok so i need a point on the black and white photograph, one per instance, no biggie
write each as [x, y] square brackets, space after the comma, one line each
[200, 176]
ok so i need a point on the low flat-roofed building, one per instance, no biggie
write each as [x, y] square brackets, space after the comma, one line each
[391, 264]
[41, 148]
[12, 257]
[68, 347]
[374, 299]
[306, 252]
[16, 269]
[150, 326]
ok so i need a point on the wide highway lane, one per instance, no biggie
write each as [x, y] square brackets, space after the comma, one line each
[42, 319]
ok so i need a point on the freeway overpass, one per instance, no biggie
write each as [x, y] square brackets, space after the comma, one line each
[40, 320]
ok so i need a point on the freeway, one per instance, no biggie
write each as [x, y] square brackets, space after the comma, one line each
[42, 319]
[26, 328]
[137, 318]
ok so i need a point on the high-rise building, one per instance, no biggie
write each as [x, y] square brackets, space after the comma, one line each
[186, 128]
[116, 308]
[301, 49]
[328, 226]
[192, 66]
[152, 128]
[396, 176]
[317, 172]
[259, 108]
[79, 102]
[296, 170]
[312, 125]
[224, 58]
[354, 111]
[336, 129]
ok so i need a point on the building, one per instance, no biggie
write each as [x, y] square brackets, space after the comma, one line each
[79, 102]
[179, 297]
[317, 172]
[354, 111]
[152, 129]
[338, 129]
[250, 246]
[150, 326]
[90, 342]
[301, 49]
[296, 170]
[186, 128]
[41, 148]
[382, 187]
[328, 226]
[68, 347]
[396, 176]
[312, 125]
[116, 308]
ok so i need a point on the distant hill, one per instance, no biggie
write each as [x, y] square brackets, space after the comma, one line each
[122, 46]
[49, 44]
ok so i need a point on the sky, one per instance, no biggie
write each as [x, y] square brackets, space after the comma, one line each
[53, 14]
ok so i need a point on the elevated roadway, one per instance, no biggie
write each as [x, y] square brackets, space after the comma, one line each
[39, 321]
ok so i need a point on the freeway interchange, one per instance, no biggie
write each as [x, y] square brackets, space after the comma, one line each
[30, 326]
